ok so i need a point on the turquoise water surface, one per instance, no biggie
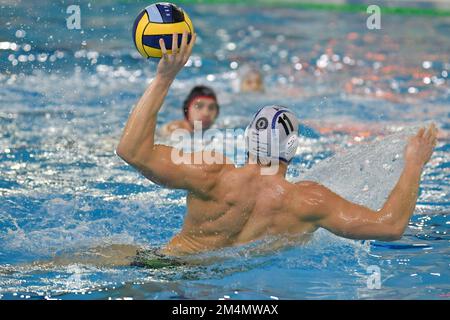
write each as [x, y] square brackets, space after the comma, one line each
[66, 94]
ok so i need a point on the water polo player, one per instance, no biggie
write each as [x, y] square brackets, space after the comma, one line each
[228, 206]
[200, 105]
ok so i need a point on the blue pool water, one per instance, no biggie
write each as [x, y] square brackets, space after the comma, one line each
[66, 94]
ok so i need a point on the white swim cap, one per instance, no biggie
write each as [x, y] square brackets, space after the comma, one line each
[272, 134]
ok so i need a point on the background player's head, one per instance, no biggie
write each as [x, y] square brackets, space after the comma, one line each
[201, 105]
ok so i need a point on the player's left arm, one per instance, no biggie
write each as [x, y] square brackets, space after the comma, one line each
[324, 208]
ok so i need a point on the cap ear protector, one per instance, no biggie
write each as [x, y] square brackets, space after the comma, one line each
[291, 147]
[273, 128]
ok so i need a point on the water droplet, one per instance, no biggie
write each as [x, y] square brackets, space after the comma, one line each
[234, 65]
[20, 33]
[231, 46]
[412, 90]
[427, 64]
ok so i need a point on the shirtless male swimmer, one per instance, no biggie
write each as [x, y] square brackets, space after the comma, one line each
[228, 206]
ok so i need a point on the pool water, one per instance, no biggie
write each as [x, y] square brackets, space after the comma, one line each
[66, 94]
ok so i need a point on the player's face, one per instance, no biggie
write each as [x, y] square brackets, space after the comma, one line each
[204, 110]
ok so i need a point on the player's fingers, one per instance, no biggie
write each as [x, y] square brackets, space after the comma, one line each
[431, 132]
[432, 127]
[163, 49]
[191, 44]
[420, 132]
[435, 130]
[435, 134]
[183, 47]
[427, 134]
[175, 43]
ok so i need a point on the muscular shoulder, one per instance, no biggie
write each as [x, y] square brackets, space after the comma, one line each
[309, 188]
[306, 199]
[214, 162]
[209, 167]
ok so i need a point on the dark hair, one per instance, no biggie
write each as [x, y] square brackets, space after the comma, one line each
[198, 91]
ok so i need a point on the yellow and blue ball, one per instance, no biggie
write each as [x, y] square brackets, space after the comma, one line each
[160, 20]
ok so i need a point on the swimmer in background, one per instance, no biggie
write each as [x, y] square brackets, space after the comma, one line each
[200, 105]
[229, 206]
[251, 81]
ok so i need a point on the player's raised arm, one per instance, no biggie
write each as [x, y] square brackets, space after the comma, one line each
[326, 209]
[138, 136]
[137, 146]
